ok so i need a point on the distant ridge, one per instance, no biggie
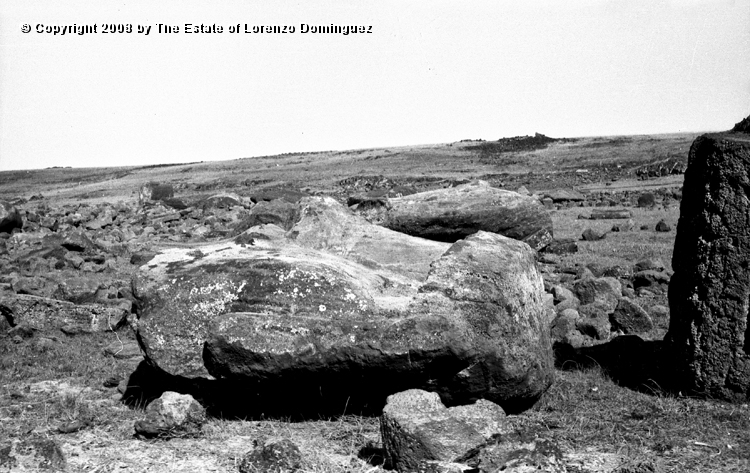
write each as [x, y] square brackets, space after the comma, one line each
[743, 126]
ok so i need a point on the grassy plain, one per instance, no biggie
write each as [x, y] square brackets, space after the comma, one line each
[43, 387]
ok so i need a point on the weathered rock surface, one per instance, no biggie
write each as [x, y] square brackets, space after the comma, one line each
[630, 317]
[315, 328]
[651, 279]
[327, 226]
[709, 293]
[172, 415]
[662, 226]
[561, 246]
[45, 314]
[646, 200]
[517, 452]
[603, 290]
[416, 426]
[454, 213]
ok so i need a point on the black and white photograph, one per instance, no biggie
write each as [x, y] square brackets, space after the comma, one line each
[366, 236]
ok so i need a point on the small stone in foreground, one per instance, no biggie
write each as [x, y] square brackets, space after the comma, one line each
[417, 427]
[275, 455]
[172, 415]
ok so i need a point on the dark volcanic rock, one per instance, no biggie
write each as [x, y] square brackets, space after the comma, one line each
[561, 246]
[77, 241]
[10, 218]
[646, 200]
[651, 279]
[710, 288]
[302, 330]
[172, 415]
[454, 213]
[663, 226]
[603, 290]
[630, 317]
[46, 314]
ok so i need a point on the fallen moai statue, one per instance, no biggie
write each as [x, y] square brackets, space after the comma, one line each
[337, 314]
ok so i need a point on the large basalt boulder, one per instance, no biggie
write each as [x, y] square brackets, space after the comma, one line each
[294, 328]
[10, 218]
[709, 293]
[454, 213]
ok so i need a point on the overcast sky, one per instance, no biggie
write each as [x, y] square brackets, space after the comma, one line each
[429, 72]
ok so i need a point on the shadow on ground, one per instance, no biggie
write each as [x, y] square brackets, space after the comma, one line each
[646, 366]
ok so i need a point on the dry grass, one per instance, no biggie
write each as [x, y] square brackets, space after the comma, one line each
[618, 248]
[585, 410]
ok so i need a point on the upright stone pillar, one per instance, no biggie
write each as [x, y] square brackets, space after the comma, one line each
[709, 293]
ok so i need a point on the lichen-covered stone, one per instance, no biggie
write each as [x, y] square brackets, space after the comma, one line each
[307, 326]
